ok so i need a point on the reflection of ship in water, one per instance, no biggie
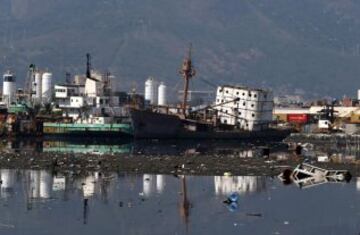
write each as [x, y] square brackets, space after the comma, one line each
[40, 184]
[225, 185]
[93, 148]
[138, 147]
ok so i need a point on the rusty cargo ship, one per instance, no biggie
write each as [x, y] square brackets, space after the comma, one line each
[239, 113]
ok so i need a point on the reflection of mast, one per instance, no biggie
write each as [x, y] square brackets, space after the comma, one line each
[187, 71]
[85, 210]
[184, 203]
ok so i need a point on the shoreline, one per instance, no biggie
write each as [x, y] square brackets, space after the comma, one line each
[191, 164]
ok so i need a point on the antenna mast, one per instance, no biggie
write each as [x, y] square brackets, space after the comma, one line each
[187, 71]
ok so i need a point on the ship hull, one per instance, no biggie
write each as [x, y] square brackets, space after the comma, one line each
[87, 130]
[151, 125]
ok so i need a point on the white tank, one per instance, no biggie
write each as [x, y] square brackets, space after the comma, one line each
[37, 86]
[46, 87]
[9, 88]
[150, 91]
[162, 94]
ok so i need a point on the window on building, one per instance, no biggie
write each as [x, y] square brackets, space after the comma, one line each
[226, 91]
[225, 121]
[253, 115]
[249, 94]
[255, 95]
[244, 104]
[252, 105]
[237, 93]
[243, 94]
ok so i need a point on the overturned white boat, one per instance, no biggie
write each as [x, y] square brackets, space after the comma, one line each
[306, 175]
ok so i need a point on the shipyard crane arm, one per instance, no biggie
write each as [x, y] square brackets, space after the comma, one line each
[216, 105]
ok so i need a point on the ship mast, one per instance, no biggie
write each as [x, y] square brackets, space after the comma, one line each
[187, 71]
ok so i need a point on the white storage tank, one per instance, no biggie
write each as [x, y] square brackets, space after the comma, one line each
[37, 86]
[150, 93]
[46, 87]
[162, 100]
[9, 88]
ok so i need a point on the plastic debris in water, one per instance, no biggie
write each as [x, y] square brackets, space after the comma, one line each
[234, 197]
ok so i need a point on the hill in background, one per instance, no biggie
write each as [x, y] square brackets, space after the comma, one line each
[313, 46]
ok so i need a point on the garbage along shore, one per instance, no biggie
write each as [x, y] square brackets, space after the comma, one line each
[224, 164]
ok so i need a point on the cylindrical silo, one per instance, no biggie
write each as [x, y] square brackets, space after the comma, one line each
[38, 84]
[150, 95]
[162, 94]
[46, 87]
[9, 88]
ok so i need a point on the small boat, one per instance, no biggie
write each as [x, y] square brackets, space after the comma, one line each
[306, 175]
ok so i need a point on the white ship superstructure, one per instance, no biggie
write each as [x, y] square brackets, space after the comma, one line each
[251, 109]
[88, 99]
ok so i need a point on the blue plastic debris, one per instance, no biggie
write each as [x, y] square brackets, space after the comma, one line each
[234, 197]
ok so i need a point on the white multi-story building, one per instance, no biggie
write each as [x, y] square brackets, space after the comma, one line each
[249, 109]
